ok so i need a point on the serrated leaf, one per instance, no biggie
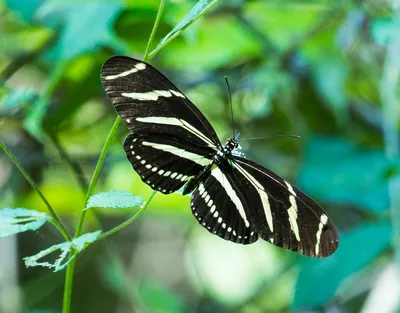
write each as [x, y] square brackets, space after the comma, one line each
[334, 170]
[319, 279]
[198, 10]
[77, 245]
[114, 199]
[14, 221]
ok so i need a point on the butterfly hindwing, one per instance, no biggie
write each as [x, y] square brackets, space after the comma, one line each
[284, 215]
[149, 103]
[164, 162]
[219, 207]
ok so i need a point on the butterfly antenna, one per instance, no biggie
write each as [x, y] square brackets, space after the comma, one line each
[271, 137]
[230, 104]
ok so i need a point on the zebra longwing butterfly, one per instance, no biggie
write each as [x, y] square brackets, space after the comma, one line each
[172, 145]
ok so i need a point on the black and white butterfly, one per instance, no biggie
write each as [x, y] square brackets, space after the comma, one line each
[172, 145]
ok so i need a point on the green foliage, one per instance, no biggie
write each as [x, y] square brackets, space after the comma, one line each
[14, 221]
[68, 251]
[157, 298]
[83, 31]
[319, 279]
[327, 71]
[198, 10]
[334, 171]
[17, 99]
[114, 199]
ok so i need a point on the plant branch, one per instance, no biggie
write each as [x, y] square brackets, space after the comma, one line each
[130, 220]
[60, 225]
[153, 31]
[71, 266]
[75, 167]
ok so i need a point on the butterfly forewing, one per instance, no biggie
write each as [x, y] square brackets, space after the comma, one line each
[149, 103]
[282, 214]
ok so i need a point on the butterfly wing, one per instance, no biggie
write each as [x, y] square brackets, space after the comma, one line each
[220, 206]
[149, 103]
[282, 214]
[172, 140]
[164, 162]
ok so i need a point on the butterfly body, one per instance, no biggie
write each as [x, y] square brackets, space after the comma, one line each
[172, 145]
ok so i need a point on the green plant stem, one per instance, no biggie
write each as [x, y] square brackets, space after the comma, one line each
[174, 33]
[75, 167]
[130, 220]
[71, 266]
[57, 222]
[96, 172]
[153, 31]
[69, 275]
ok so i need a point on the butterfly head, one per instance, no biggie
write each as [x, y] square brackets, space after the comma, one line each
[231, 145]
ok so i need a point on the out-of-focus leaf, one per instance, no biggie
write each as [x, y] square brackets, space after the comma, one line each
[14, 221]
[198, 10]
[350, 28]
[319, 279]
[114, 199]
[335, 170]
[159, 299]
[76, 245]
[87, 27]
[262, 87]
[26, 9]
[206, 55]
[382, 29]
[230, 283]
[17, 99]
[332, 90]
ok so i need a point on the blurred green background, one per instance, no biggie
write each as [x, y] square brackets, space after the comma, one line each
[325, 70]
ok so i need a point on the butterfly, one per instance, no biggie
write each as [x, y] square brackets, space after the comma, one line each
[172, 146]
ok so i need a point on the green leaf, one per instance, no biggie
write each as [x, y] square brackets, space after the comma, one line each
[332, 90]
[77, 245]
[334, 170]
[319, 279]
[114, 199]
[383, 29]
[17, 98]
[84, 31]
[14, 221]
[198, 10]
[26, 9]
